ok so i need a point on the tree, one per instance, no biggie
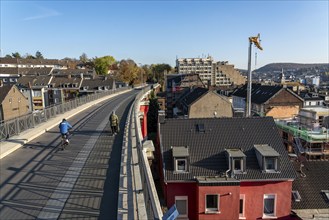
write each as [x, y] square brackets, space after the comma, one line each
[28, 56]
[84, 58]
[16, 55]
[159, 69]
[129, 72]
[8, 56]
[38, 55]
[152, 114]
[102, 64]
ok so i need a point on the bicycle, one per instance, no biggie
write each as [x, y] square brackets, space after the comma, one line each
[65, 141]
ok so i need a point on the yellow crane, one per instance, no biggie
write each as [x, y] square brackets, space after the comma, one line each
[256, 42]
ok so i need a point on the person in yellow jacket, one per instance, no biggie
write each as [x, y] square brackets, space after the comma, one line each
[114, 121]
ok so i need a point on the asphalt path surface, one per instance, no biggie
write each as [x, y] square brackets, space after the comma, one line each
[40, 181]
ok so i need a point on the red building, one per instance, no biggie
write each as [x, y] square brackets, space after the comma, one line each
[225, 168]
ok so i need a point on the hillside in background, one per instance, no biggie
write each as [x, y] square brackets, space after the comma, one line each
[292, 67]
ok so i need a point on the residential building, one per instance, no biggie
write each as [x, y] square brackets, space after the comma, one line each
[210, 71]
[12, 102]
[267, 100]
[31, 63]
[68, 84]
[204, 103]
[311, 99]
[224, 168]
[176, 85]
[38, 84]
[96, 84]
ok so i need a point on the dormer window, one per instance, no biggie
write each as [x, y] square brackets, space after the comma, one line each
[236, 160]
[180, 157]
[181, 165]
[268, 158]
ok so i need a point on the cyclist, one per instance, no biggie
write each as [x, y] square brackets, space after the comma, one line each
[64, 128]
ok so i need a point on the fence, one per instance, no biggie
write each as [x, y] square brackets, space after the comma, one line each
[152, 203]
[17, 125]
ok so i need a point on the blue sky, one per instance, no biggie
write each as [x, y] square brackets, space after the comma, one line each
[159, 31]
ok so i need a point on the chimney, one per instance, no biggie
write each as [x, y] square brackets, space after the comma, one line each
[161, 116]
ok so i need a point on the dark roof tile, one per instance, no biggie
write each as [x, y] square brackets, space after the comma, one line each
[207, 149]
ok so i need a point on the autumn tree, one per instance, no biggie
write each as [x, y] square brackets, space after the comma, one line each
[129, 72]
[102, 64]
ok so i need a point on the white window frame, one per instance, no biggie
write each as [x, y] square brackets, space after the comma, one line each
[178, 170]
[270, 196]
[186, 199]
[212, 210]
[242, 215]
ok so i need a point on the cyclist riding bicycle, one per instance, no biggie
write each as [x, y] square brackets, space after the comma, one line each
[64, 128]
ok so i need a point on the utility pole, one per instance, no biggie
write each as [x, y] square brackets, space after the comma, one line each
[252, 40]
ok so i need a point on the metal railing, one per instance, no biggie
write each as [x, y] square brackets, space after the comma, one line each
[17, 125]
[152, 202]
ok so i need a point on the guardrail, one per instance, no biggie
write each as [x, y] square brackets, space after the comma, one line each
[152, 202]
[17, 125]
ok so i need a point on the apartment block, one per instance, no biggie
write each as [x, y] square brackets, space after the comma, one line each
[215, 73]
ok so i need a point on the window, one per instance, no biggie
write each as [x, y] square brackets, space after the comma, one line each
[241, 206]
[269, 205]
[212, 203]
[237, 164]
[181, 205]
[270, 164]
[326, 194]
[267, 157]
[296, 196]
[181, 165]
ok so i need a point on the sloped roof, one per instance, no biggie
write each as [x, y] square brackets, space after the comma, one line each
[309, 187]
[5, 60]
[34, 80]
[73, 72]
[185, 80]
[98, 81]
[308, 97]
[194, 95]
[207, 149]
[9, 70]
[4, 91]
[259, 93]
[59, 80]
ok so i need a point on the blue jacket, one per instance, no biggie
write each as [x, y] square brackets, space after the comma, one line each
[64, 127]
